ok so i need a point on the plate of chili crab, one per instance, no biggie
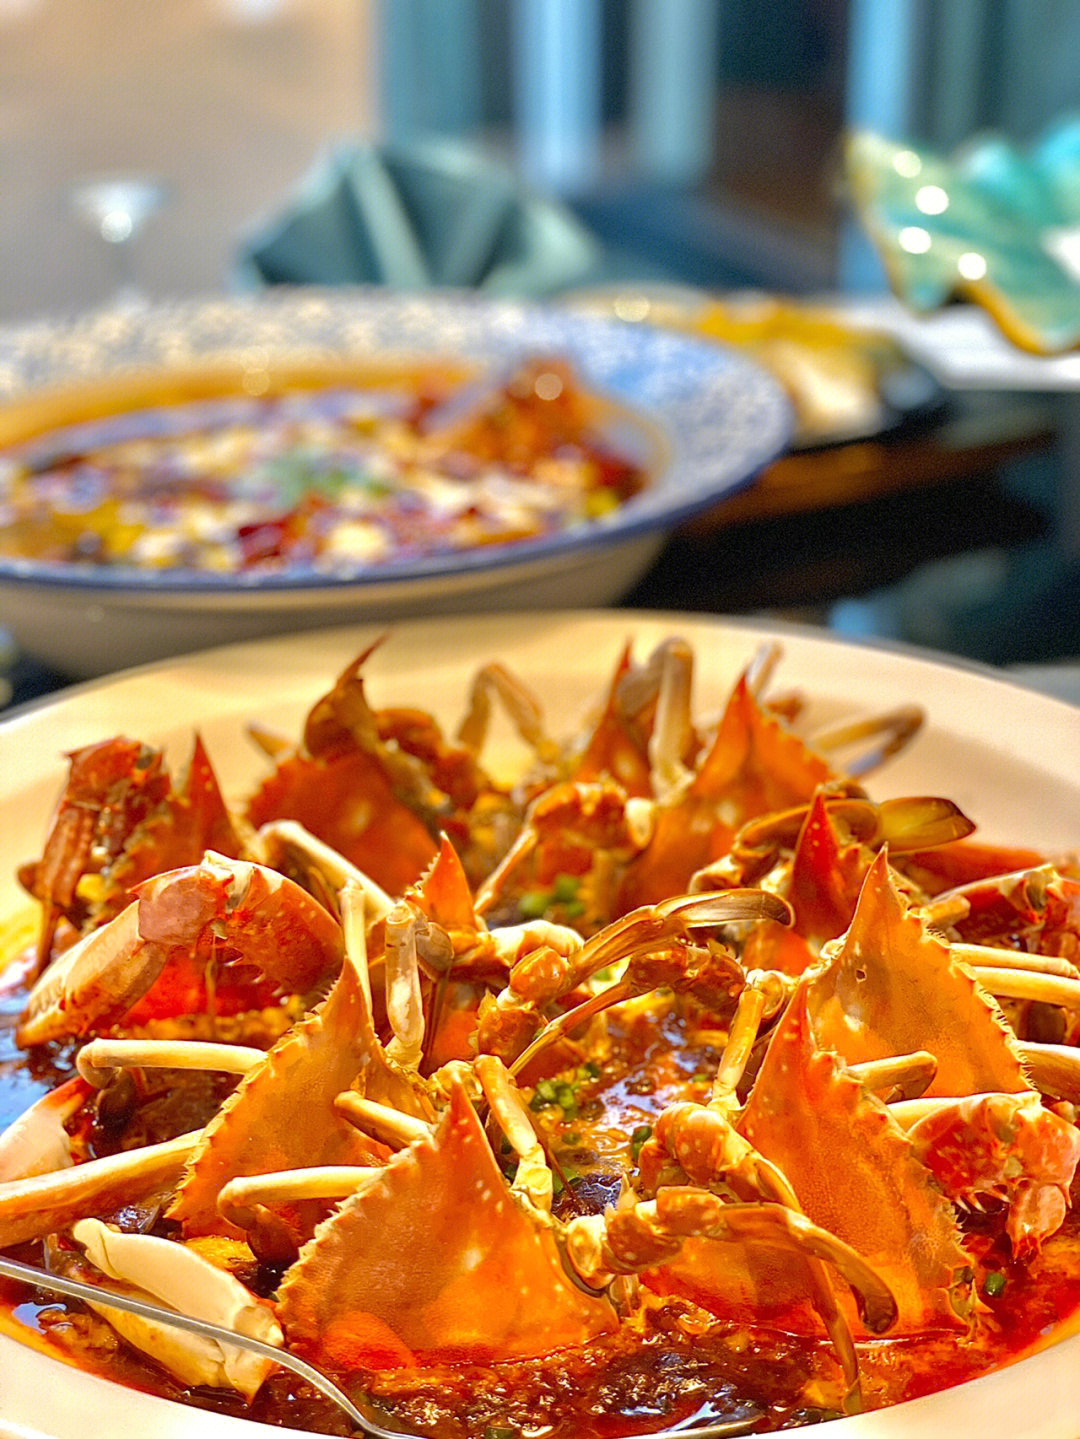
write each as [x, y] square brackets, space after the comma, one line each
[207, 471]
[566, 1024]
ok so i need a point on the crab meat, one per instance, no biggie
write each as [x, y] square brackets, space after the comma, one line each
[435, 1262]
[179, 1278]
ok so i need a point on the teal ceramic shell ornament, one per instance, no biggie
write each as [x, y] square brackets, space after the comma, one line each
[992, 224]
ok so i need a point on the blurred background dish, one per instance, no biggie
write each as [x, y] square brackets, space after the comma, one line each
[708, 418]
[846, 381]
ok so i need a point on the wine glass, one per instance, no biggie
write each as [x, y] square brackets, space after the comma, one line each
[117, 208]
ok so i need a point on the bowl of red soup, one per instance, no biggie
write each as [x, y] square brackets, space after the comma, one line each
[195, 474]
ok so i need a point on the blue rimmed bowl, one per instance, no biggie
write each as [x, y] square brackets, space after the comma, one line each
[712, 417]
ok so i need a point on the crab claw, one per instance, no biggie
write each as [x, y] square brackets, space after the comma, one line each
[184, 1281]
[435, 1262]
[37, 1142]
[225, 905]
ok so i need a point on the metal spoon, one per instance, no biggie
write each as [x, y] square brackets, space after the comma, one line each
[92, 1293]
[365, 1424]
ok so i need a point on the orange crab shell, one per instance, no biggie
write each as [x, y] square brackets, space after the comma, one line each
[854, 1170]
[616, 749]
[436, 1262]
[755, 765]
[826, 874]
[281, 1115]
[909, 994]
[347, 801]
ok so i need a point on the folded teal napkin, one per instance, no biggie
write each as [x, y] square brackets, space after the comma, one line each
[430, 215]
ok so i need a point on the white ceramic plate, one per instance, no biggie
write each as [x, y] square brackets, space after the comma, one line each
[718, 419]
[1006, 755]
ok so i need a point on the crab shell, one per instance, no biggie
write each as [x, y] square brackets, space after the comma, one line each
[435, 1263]
[754, 766]
[281, 1116]
[890, 987]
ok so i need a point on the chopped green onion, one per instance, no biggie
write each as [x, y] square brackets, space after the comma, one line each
[591, 1068]
[637, 1140]
[571, 1136]
[501, 1431]
[534, 903]
[994, 1285]
[565, 889]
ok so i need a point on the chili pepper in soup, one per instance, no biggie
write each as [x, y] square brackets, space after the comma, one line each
[331, 479]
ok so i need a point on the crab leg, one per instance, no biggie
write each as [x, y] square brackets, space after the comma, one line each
[1054, 1068]
[655, 941]
[48, 1203]
[911, 1074]
[533, 1177]
[281, 840]
[892, 731]
[404, 1006]
[985, 956]
[238, 1198]
[679, 1212]
[99, 1057]
[495, 681]
[709, 1149]
[672, 726]
[388, 1125]
[762, 667]
[648, 1235]
[1014, 983]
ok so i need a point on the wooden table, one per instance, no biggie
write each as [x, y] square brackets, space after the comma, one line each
[821, 524]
